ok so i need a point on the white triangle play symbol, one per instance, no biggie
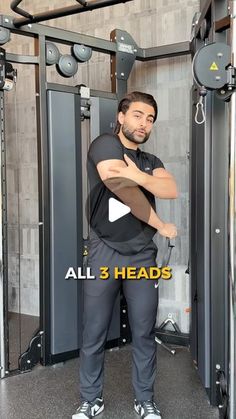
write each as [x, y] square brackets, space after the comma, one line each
[116, 210]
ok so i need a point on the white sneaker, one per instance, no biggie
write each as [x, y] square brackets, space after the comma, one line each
[147, 410]
[88, 410]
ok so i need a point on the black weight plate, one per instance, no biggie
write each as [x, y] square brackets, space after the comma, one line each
[67, 66]
[81, 52]
[52, 53]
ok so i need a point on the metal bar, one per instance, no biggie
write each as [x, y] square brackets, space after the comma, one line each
[97, 44]
[71, 89]
[100, 93]
[219, 245]
[82, 2]
[22, 59]
[43, 185]
[66, 11]
[205, 10]
[4, 244]
[16, 9]
[165, 51]
[60, 35]
[62, 88]
[232, 224]
[3, 362]
[222, 24]
[218, 241]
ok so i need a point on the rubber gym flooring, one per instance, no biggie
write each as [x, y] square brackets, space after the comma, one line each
[52, 392]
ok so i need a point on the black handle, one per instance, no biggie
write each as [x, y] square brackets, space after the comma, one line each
[167, 253]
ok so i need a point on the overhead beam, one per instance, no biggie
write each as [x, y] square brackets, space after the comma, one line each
[59, 35]
[164, 51]
[61, 12]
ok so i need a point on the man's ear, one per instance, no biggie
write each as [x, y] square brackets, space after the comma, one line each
[121, 117]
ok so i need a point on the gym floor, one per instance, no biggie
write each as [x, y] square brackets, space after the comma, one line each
[52, 392]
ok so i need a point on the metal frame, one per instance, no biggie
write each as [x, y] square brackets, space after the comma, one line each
[215, 12]
[232, 227]
[43, 185]
[97, 44]
[122, 47]
[219, 240]
[84, 6]
[4, 351]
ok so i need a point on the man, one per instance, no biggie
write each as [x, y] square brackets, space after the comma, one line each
[118, 169]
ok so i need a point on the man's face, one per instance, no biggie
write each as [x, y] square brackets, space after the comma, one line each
[137, 122]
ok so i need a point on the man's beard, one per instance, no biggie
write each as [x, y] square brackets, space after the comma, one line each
[130, 135]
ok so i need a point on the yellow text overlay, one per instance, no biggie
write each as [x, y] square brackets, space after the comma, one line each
[131, 272]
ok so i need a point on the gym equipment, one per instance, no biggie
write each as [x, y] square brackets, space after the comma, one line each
[84, 6]
[180, 338]
[211, 66]
[67, 66]
[81, 53]
[52, 53]
[209, 183]
[5, 35]
[212, 205]
[7, 72]
[168, 247]
[100, 109]
[161, 327]
[212, 71]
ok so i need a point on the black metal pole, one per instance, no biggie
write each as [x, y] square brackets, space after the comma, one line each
[43, 184]
[16, 9]
[61, 12]
[232, 227]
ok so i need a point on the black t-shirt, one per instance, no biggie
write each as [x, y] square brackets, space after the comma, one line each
[128, 235]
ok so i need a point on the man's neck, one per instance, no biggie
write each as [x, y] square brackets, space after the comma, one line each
[127, 143]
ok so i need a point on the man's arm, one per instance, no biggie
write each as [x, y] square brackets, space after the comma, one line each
[161, 184]
[134, 198]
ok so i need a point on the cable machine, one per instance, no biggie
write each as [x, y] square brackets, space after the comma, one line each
[61, 111]
[213, 106]
[212, 209]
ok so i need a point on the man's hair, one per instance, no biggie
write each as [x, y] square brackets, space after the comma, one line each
[135, 97]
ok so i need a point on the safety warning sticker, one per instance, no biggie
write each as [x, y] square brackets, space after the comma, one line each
[214, 66]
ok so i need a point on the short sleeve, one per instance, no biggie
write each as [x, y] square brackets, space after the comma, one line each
[157, 164]
[105, 147]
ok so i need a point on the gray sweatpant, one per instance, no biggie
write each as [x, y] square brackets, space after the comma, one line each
[99, 299]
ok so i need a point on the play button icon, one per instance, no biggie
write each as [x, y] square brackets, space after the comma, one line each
[116, 210]
[114, 222]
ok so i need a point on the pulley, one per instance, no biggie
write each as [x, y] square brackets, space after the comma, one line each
[67, 66]
[5, 35]
[81, 52]
[210, 66]
[52, 53]
[212, 70]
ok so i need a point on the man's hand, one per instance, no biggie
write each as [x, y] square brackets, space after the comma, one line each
[168, 230]
[131, 171]
[161, 183]
[133, 197]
